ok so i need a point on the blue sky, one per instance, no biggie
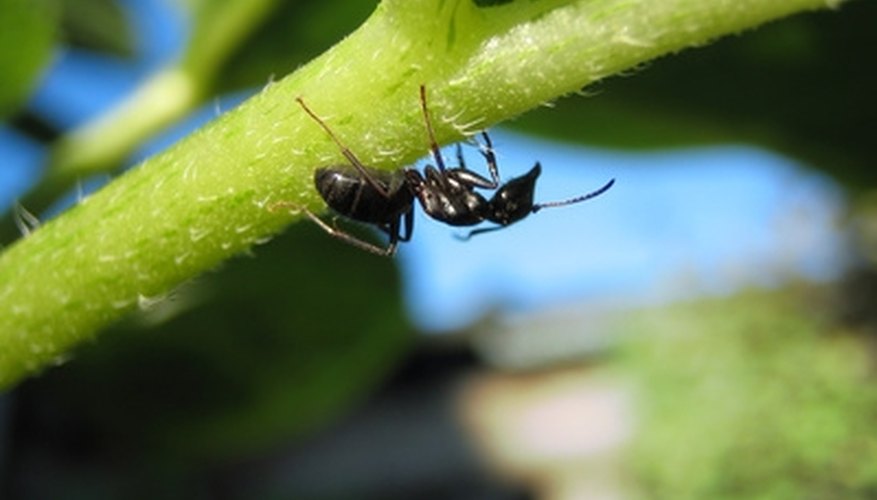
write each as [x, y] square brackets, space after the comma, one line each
[676, 224]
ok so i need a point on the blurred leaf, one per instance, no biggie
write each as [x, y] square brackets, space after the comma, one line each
[102, 144]
[242, 362]
[753, 396]
[296, 32]
[217, 28]
[490, 3]
[98, 25]
[27, 30]
[801, 87]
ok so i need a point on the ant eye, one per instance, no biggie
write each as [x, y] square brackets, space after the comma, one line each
[514, 201]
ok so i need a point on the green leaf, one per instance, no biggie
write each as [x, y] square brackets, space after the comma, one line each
[98, 25]
[218, 28]
[296, 32]
[27, 32]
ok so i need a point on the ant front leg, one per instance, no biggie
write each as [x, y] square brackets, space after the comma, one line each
[490, 158]
[468, 177]
[461, 162]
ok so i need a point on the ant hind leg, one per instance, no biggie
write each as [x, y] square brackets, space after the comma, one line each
[333, 231]
[352, 158]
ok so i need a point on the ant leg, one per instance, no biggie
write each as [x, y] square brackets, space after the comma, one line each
[333, 231]
[393, 228]
[409, 226]
[358, 165]
[468, 177]
[294, 208]
[490, 158]
[433, 145]
[474, 232]
[461, 162]
[577, 199]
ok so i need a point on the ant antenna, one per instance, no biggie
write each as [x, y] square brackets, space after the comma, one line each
[358, 165]
[577, 199]
[433, 145]
[539, 206]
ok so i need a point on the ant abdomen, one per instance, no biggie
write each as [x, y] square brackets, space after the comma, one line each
[349, 194]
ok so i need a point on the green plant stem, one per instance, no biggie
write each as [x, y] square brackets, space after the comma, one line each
[210, 196]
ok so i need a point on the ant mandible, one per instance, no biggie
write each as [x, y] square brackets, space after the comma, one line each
[385, 199]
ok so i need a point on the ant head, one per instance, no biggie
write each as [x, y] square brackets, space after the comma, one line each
[514, 200]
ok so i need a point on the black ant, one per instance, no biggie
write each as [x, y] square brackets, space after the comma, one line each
[386, 199]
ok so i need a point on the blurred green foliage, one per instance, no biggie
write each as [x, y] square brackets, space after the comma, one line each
[800, 86]
[239, 361]
[755, 396]
[27, 32]
[294, 33]
[233, 46]
[98, 25]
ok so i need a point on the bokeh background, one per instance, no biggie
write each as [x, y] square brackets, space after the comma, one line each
[705, 329]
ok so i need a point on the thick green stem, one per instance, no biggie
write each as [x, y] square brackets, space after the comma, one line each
[209, 197]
